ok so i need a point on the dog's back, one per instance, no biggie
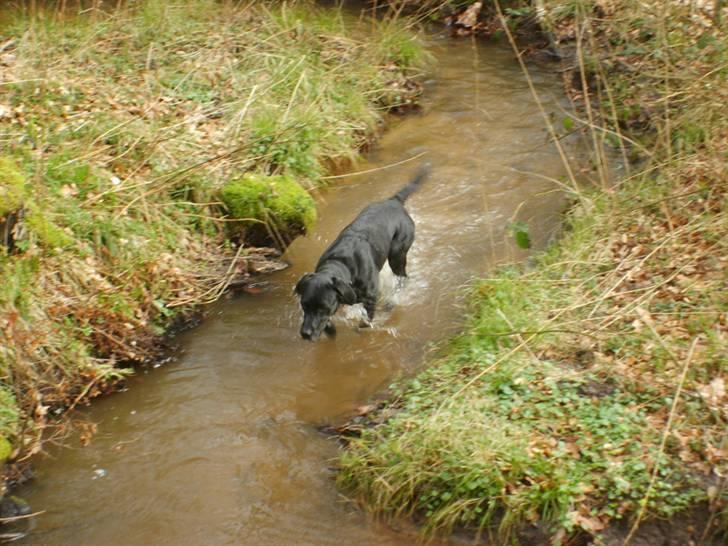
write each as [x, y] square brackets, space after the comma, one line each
[348, 270]
[379, 226]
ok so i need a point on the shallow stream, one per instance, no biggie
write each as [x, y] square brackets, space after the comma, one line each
[222, 445]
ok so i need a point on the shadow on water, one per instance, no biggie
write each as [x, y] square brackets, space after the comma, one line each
[221, 446]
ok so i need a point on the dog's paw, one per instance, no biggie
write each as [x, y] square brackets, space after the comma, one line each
[365, 324]
[330, 330]
[388, 306]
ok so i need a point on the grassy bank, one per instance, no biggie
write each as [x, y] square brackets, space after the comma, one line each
[140, 146]
[586, 395]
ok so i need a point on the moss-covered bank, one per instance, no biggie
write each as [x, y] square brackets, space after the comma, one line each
[125, 135]
[585, 398]
[268, 207]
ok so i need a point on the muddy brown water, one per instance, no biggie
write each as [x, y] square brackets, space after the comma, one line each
[222, 446]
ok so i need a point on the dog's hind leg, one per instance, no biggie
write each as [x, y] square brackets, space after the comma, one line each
[401, 244]
[398, 256]
[398, 263]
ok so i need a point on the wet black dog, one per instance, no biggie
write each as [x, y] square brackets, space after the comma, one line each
[348, 271]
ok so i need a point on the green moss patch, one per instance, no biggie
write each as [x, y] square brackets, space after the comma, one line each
[278, 203]
[9, 417]
[12, 187]
[48, 233]
[6, 449]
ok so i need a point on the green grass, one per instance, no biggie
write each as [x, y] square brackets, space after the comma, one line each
[123, 129]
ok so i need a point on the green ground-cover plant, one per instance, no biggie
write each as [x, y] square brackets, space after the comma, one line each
[119, 131]
[588, 387]
[524, 421]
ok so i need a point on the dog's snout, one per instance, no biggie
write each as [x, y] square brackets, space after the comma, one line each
[306, 333]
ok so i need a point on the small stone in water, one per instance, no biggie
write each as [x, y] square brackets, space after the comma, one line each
[99, 473]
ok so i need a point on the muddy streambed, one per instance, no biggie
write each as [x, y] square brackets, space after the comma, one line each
[222, 445]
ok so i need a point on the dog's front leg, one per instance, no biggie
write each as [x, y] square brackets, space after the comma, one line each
[370, 305]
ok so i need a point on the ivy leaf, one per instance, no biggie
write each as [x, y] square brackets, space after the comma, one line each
[520, 234]
[162, 308]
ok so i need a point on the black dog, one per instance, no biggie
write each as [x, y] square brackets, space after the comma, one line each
[348, 271]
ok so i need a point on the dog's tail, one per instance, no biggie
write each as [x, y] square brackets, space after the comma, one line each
[415, 183]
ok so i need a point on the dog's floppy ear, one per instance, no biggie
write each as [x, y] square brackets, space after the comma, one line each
[345, 291]
[301, 282]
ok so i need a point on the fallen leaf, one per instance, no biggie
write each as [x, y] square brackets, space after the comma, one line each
[714, 392]
[469, 18]
[588, 523]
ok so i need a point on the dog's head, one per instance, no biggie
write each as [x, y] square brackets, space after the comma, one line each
[321, 295]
